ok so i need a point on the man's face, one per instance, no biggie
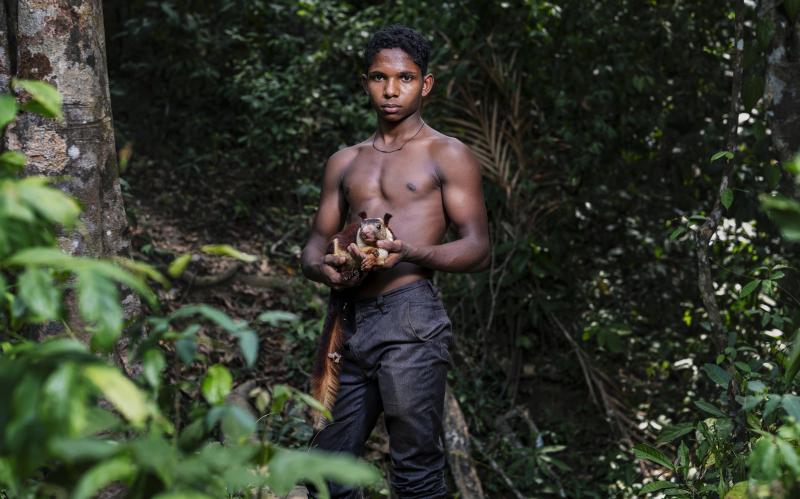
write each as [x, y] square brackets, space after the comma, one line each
[395, 84]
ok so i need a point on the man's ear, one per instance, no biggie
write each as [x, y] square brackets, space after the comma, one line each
[364, 83]
[427, 84]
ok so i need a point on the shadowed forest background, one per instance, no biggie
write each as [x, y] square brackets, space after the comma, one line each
[635, 332]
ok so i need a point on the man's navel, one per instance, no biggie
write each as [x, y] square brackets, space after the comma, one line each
[411, 186]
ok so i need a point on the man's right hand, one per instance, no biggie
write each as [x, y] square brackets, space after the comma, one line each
[330, 269]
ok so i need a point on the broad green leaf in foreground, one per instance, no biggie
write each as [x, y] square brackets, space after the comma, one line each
[120, 391]
[289, 467]
[103, 474]
[45, 98]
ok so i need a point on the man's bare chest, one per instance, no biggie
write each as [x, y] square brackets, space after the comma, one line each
[393, 180]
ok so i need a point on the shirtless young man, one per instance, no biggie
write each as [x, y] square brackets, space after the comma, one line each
[395, 357]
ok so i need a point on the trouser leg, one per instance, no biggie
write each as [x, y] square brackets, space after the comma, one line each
[412, 377]
[355, 413]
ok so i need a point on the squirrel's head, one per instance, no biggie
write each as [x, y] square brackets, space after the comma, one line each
[373, 229]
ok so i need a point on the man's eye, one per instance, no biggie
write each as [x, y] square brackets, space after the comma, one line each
[407, 77]
[377, 77]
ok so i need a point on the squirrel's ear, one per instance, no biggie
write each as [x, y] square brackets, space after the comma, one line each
[386, 218]
[363, 215]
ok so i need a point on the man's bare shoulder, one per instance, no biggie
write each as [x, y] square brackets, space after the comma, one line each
[450, 154]
[345, 156]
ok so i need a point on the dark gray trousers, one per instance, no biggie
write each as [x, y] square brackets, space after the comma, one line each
[395, 359]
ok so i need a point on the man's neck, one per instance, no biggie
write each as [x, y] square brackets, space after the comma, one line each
[389, 133]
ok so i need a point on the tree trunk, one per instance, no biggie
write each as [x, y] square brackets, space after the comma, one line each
[62, 42]
[782, 86]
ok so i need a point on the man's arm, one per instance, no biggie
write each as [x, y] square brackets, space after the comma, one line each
[318, 266]
[463, 203]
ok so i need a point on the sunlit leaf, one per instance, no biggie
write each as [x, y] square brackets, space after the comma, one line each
[228, 250]
[217, 384]
[178, 265]
[275, 317]
[721, 154]
[8, 109]
[45, 98]
[120, 391]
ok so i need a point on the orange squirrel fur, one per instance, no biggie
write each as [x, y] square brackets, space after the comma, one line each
[366, 234]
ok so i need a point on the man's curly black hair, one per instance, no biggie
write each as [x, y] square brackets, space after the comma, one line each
[401, 37]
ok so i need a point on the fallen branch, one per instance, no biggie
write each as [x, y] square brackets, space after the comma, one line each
[456, 437]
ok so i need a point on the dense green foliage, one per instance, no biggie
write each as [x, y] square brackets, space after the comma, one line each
[71, 424]
[598, 126]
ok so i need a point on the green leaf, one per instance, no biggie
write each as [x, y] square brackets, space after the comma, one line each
[98, 302]
[738, 491]
[120, 391]
[670, 433]
[186, 348]
[45, 98]
[792, 7]
[791, 404]
[8, 109]
[275, 317]
[179, 265]
[785, 213]
[644, 451]
[721, 154]
[789, 456]
[153, 363]
[709, 408]
[227, 250]
[248, 344]
[290, 467]
[772, 404]
[40, 294]
[144, 270]
[51, 203]
[237, 424]
[182, 495]
[752, 90]
[792, 361]
[748, 288]
[717, 374]
[103, 474]
[765, 32]
[656, 486]
[217, 384]
[727, 198]
[316, 405]
[12, 160]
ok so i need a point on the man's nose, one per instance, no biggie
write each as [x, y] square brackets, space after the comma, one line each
[390, 88]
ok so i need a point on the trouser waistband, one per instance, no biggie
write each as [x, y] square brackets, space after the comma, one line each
[398, 294]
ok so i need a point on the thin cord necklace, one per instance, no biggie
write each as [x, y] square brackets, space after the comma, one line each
[404, 143]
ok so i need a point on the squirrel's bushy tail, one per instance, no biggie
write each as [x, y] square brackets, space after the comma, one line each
[325, 377]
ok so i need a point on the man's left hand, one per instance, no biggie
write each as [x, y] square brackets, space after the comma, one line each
[398, 251]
